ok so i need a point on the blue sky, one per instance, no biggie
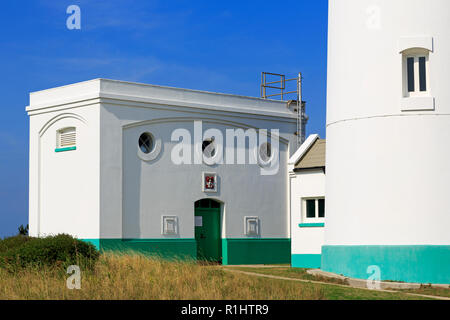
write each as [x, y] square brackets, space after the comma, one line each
[219, 46]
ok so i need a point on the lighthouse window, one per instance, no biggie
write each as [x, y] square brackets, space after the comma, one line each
[422, 74]
[411, 75]
[415, 83]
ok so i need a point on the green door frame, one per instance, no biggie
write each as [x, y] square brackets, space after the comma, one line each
[208, 235]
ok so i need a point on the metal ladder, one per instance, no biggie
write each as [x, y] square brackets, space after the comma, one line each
[280, 87]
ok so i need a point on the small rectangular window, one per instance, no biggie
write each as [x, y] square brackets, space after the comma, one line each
[321, 208]
[422, 74]
[311, 208]
[410, 74]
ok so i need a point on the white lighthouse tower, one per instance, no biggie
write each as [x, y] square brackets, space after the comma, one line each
[388, 140]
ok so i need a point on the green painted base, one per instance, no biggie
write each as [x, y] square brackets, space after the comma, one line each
[234, 251]
[256, 251]
[165, 248]
[420, 264]
[95, 242]
[306, 260]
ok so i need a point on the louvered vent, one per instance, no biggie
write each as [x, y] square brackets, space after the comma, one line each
[67, 138]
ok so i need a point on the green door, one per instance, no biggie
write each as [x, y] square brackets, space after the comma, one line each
[207, 230]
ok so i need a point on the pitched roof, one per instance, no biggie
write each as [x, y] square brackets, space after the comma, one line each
[303, 149]
[314, 157]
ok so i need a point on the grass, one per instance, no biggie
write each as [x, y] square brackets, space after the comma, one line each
[298, 273]
[138, 277]
[428, 290]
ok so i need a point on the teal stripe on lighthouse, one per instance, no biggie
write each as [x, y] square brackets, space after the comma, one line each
[306, 260]
[415, 263]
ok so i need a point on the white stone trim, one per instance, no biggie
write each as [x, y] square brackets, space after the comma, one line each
[174, 220]
[417, 104]
[152, 94]
[247, 220]
[406, 43]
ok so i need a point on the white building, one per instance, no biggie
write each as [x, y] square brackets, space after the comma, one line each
[388, 131]
[307, 202]
[105, 167]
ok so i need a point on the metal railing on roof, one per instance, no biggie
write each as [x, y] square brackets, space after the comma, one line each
[279, 85]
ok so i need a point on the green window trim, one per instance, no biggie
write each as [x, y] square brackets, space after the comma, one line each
[65, 149]
[235, 251]
[311, 225]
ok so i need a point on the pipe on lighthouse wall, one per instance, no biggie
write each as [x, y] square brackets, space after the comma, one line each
[388, 149]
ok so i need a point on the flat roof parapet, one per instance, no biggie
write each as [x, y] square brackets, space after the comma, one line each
[106, 89]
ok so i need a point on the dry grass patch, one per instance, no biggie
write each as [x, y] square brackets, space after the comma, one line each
[138, 277]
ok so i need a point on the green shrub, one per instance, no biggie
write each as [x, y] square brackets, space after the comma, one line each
[23, 230]
[60, 250]
[13, 243]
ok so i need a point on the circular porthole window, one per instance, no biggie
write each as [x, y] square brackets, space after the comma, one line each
[146, 142]
[265, 152]
[209, 148]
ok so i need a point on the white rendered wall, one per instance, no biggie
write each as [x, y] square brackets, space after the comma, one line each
[64, 186]
[135, 194]
[305, 184]
[104, 190]
[388, 171]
